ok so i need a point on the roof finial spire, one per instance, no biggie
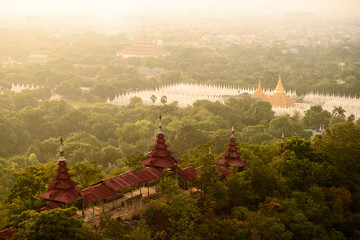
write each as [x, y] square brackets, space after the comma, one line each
[61, 150]
[282, 143]
[160, 125]
[232, 130]
[279, 87]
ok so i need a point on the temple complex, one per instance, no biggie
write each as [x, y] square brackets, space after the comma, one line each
[127, 188]
[160, 156]
[259, 94]
[62, 190]
[143, 49]
[280, 99]
[231, 157]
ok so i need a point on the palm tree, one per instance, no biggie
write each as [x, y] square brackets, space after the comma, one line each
[338, 111]
[153, 98]
[163, 99]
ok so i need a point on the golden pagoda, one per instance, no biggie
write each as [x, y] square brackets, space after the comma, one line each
[259, 93]
[280, 99]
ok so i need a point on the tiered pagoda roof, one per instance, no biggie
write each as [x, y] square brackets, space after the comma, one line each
[280, 99]
[143, 49]
[62, 189]
[232, 157]
[259, 93]
[160, 156]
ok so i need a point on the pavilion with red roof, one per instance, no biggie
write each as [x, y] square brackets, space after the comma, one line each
[160, 156]
[62, 190]
[231, 157]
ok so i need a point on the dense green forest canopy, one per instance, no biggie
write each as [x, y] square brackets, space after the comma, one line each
[298, 192]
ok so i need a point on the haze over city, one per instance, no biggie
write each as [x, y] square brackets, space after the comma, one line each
[109, 10]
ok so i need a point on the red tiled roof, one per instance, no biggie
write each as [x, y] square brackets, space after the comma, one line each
[7, 233]
[122, 181]
[53, 205]
[189, 173]
[150, 174]
[225, 171]
[232, 156]
[96, 193]
[49, 206]
[160, 156]
[62, 189]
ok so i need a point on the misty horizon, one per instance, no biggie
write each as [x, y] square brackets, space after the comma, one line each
[110, 11]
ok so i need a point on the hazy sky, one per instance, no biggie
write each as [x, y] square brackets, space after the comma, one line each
[109, 9]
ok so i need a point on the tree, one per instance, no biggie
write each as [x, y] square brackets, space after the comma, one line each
[109, 155]
[269, 228]
[342, 144]
[300, 173]
[132, 161]
[29, 183]
[54, 224]
[207, 179]
[78, 155]
[316, 116]
[351, 118]
[140, 232]
[289, 126]
[87, 173]
[111, 228]
[68, 90]
[339, 199]
[22, 100]
[303, 149]
[153, 98]
[259, 113]
[183, 216]
[336, 120]
[163, 99]
[240, 190]
[188, 137]
[103, 91]
[338, 111]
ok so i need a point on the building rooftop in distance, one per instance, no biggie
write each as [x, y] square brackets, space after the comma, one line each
[144, 49]
[39, 59]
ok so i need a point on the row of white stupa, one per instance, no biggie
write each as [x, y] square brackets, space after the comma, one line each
[186, 94]
[19, 88]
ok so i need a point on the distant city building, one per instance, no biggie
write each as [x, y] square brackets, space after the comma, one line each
[340, 81]
[39, 59]
[55, 98]
[144, 49]
[147, 72]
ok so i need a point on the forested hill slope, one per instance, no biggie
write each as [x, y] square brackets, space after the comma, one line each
[297, 192]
